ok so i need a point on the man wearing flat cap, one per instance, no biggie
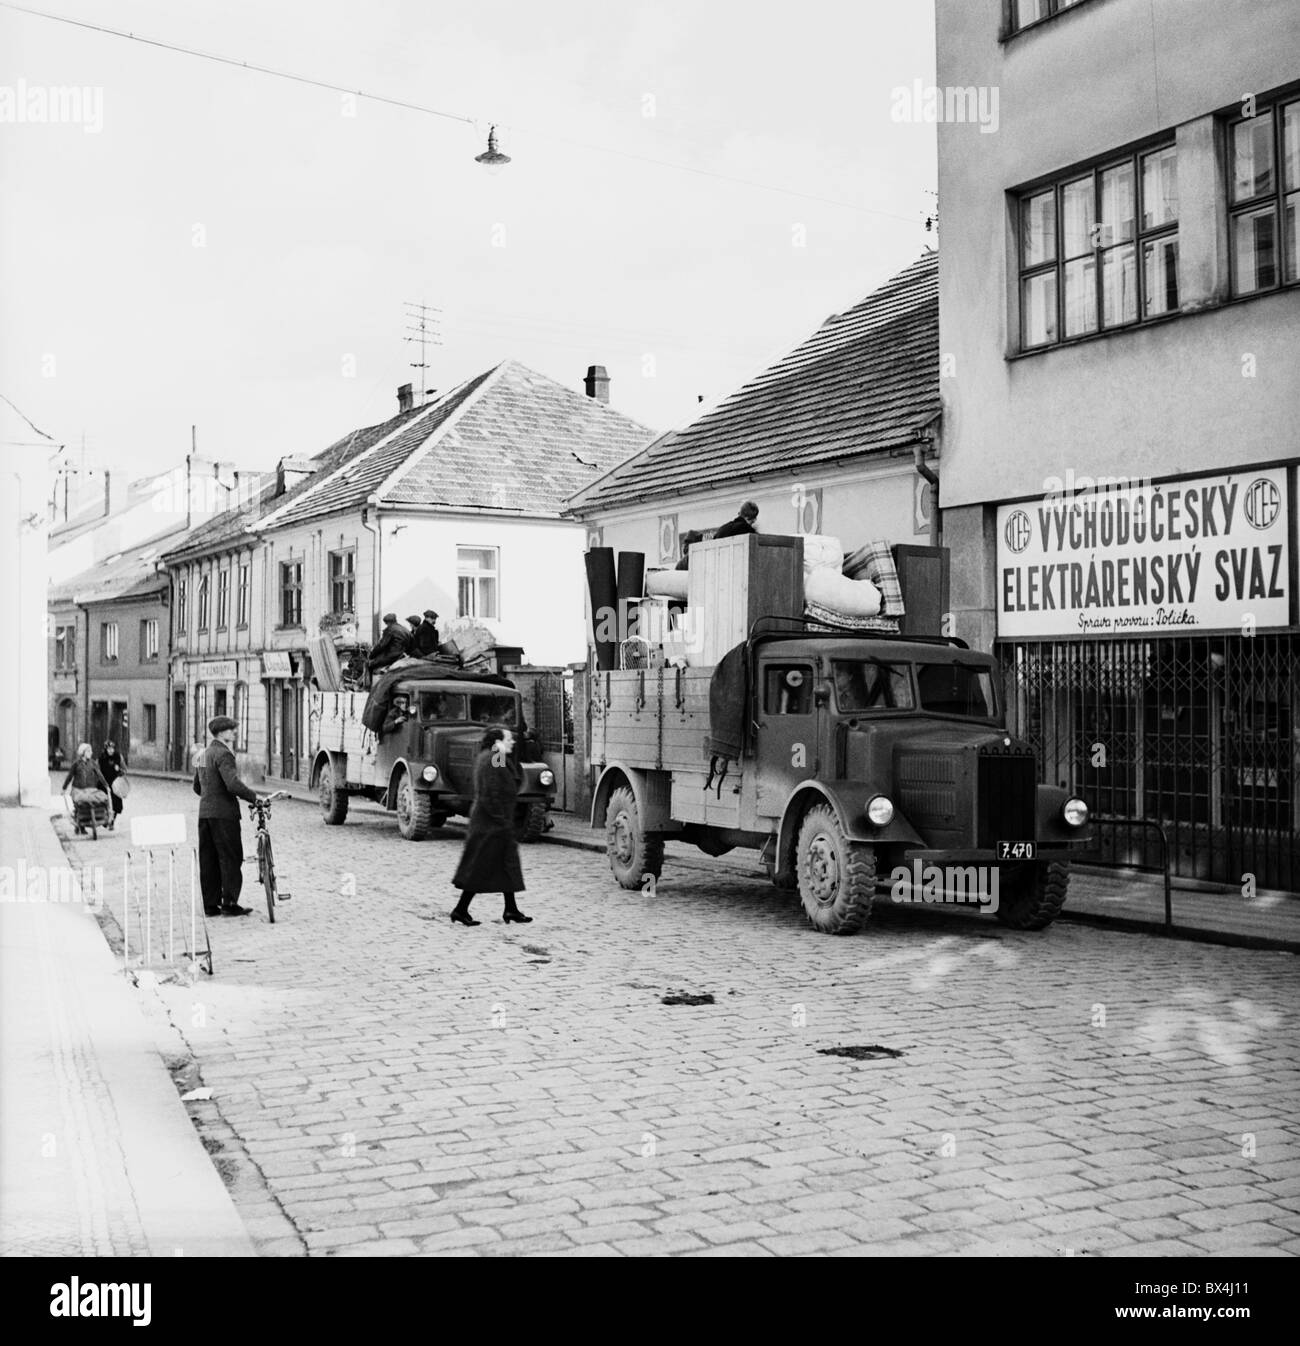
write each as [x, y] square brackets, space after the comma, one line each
[221, 848]
[391, 646]
[424, 641]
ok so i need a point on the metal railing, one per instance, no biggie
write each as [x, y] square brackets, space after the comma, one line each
[1162, 868]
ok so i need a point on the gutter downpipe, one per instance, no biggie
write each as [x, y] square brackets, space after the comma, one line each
[924, 438]
[372, 503]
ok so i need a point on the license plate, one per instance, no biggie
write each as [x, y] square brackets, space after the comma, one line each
[1016, 850]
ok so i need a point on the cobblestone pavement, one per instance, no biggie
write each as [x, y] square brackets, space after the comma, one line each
[389, 1083]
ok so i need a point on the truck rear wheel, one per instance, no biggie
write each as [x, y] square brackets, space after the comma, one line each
[632, 854]
[532, 820]
[837, 877]
[333, 801]
[1031, 897]
[414, 811]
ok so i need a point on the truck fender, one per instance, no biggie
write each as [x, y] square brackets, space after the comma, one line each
[338, 760]
[1050, 825]
[848, 811]
[652, 791]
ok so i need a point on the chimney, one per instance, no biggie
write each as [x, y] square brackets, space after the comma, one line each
[114, 492]
[405, 398]
[597, 383]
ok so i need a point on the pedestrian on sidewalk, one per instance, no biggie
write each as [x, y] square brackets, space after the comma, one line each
[86, 779]
[112, 767]
[221, 848]
[490, 861]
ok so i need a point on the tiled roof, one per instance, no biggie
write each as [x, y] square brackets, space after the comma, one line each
[524, 445]
[865, 380]
[509, 439]
[133, 574]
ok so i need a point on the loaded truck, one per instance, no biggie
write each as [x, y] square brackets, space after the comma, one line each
[424, 769]
[859, 760]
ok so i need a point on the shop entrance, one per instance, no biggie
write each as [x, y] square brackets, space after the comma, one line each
[1201, 734]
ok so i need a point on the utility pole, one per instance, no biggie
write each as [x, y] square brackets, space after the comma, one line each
[422, 327]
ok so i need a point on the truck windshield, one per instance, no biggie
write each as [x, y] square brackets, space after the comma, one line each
[442, 706]
[493, 710]
[869, 685]
[956, 689]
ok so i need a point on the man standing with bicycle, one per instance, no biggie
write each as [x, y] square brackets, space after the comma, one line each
[221, 848]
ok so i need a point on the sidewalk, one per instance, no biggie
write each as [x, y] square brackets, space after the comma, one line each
[98, 1156]
[1117, 899]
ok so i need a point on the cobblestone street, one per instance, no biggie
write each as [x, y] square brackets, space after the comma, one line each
[385, 1082]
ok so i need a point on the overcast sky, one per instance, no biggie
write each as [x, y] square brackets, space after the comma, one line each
[284, 329]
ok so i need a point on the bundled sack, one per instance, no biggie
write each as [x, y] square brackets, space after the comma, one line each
[822, 552]
[668, 584]
[830, 592]
[875, 562]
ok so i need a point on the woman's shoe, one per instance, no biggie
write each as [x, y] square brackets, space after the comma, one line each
[464, 918]
[518, 916]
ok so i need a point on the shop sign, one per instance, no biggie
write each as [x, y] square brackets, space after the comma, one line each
[218, 670]
[1208, 553]
[277, 664]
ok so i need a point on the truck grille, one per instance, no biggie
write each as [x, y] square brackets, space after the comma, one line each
[1007, 785]
[927, 786]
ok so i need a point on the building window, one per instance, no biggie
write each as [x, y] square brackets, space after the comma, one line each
[149, 640]
[65, 647]
[203, 603]
[476, 580]
[201, 713]
[291, 593]
[219, 701]
[343, 569]
[150, 723]
[1099, 250]
[182, 607]
[223, 600]
[1264, 198]
[241, 717]
[108, 643]
[243, 594]
[1026, 12]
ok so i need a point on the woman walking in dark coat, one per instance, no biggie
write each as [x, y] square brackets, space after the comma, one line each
[490, 860]
[111, 767]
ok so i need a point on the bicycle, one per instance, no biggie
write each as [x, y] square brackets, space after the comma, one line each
[260, 813]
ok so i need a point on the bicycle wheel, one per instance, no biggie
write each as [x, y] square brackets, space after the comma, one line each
[266, 868]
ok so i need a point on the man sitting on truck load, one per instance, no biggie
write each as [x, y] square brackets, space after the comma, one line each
[688, 541]
[424, 640]
[742, 523]
[391, 645]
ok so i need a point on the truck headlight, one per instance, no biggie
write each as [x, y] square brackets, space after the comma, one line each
[1075, 812]
[547, 778]
[880, 811]
[430, 773]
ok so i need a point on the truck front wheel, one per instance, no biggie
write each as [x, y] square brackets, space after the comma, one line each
[837, 877]
[414, 811]
[632, 854]
[1031, 897]
[333, 801]
[532, 820]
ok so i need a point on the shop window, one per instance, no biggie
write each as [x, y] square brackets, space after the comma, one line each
[1264, 198]
[1099, 250]
[787, 689]
[219, 701]
[476, 581]
[150, 723]
[201, 713]
[241, 716]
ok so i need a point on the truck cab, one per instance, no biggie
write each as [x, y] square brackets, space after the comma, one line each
[422, 765]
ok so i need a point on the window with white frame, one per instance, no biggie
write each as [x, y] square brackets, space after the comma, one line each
[1098, 250]
[291, 593]
[108, 642]
[477, 573]
[182, 607]
[1264, 197]
[148, 639]
[223, 600]
[203, 603]
[343, 570]
[241, 717]
[242, 598]
[1023, 13]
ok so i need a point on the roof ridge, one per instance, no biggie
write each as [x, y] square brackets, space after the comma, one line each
[425, 447]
